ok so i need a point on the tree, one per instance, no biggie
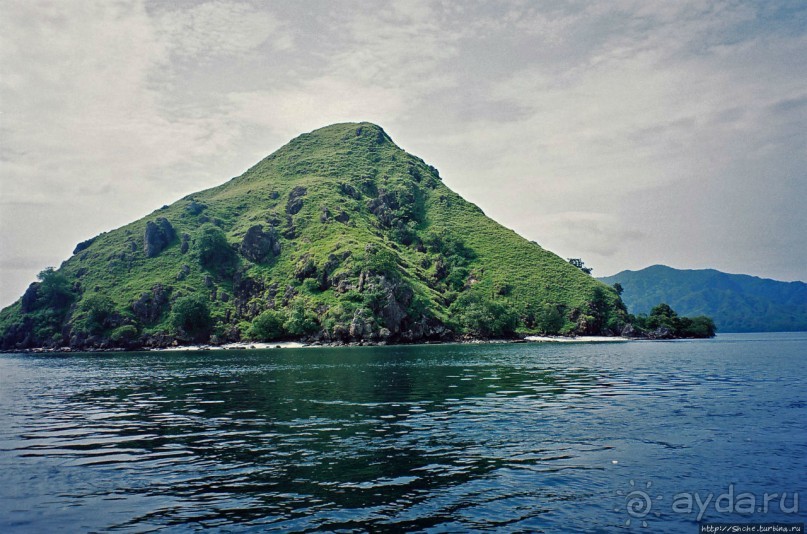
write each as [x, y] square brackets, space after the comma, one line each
[300, 320]
[212, 248]
[663, 310]
[479, 316]
[700, 326]
[54, 290]
[618, 288]
[580, 264]
[97, 309]
[191, 315]
[267, 326]
[549, 319]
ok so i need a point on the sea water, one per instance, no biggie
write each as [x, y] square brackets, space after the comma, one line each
[598, 437]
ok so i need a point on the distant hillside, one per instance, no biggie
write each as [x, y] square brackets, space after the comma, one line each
[736, 302]
[339, 236]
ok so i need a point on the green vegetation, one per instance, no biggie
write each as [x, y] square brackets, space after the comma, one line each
[339, 236]
[212, 250]
[95, 313]
[580, 264]
[267, 326]
[190, 317]
[665, 322]
[737, 303]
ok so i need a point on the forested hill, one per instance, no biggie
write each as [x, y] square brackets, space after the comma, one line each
[736, 302]
[339, 236]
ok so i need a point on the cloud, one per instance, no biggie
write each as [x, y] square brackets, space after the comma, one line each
[314, 104]
[585, 233]
[87, 128]
[216, 29]
[569, 122]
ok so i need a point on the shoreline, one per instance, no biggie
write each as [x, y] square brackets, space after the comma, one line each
[244, 345]
[578, 339]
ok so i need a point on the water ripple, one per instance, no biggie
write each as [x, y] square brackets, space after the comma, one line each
[512, 437]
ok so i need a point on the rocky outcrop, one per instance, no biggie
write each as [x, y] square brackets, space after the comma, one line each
[305, 268]
[363, 325]
[195, 208]
[295, 202]
[662, 332]
[260, 246]
[28, 302]
[149, 307]
[247, 293]
[391, 302]
[159, 234]
[324, 214]
[185, 245]
[83, 245]
[350, 191]
[383, 207]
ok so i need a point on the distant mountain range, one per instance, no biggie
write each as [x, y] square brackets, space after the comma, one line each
[736, 302]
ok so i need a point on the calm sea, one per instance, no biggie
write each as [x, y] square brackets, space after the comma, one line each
[451, 438]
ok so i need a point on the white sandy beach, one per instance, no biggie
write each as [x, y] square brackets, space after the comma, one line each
[578, 339]
[297, 344]
[239, 346]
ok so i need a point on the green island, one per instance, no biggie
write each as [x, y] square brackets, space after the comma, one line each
[338, 237]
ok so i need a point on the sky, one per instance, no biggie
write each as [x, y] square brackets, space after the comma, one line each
[626, 133]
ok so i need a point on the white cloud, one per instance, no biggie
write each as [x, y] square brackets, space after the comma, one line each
[218, 29]
[87, 127]
[313, 104]
[570, 122]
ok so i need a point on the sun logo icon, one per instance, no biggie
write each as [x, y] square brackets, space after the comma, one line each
[638, 503]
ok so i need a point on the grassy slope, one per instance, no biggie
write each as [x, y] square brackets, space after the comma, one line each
[362, 156]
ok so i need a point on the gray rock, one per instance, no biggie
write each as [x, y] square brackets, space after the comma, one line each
[629, 331]
[259, 245]
[158, 235]
[149, 307]
[29, 298]
[662, 332]
[350, 191]
[195, 208]
[295, 202]
[305, 268]
[83, 245]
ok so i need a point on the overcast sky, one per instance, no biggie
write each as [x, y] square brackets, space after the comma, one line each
[627, 133]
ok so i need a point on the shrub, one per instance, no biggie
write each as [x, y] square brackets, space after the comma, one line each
[549, 319]
[190, 315]
[97, 309]
[124, 334]
[700, 326]
[54, 290]
[480, 316]
[300, 320]
[267, 326]
[213, 250]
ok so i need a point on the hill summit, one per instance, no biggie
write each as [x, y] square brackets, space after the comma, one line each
[339, 236]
